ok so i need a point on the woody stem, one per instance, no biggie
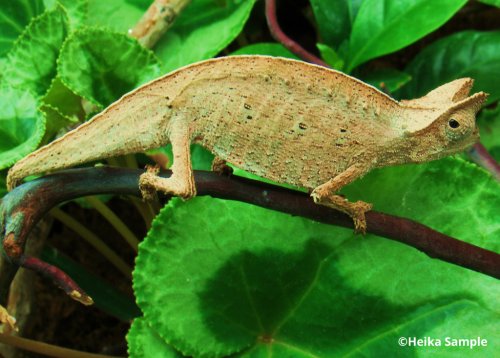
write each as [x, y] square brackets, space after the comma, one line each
[37, 197]
[280, 36]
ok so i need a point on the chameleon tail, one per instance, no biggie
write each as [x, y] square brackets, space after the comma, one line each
[118, 130]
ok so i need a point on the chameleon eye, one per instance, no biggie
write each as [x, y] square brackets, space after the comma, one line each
[453, 123]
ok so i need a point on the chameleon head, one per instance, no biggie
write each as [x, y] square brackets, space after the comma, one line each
[453, 128]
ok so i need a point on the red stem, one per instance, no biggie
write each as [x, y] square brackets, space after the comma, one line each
[59, 277]
[479, 154]
[280, 36]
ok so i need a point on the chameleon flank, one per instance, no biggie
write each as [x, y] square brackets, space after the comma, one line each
[284, 120]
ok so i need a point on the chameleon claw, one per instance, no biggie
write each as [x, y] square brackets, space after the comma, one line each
[355, 210]
[359, 209]
[146, 181]
[220, 167]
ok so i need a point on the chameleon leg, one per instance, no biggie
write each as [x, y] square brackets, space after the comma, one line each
[181, 183]
[325, 195]
[220, 167]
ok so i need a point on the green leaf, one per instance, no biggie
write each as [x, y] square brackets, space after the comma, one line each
[77, 10]
[235, 278]
[105, 296]
[464, 54]
[21, 125]
[143, 341]
[331, 56]
[335, 19]
[489, 125]
[203, 29]
[201, 159]
[101, 66]
[64, 100]
[14, 17]
[117, 15]
[491, 2]
[265, 48]
[385, 26]
[31, 63]
[55, 121]
[389, 79]
[3, 183]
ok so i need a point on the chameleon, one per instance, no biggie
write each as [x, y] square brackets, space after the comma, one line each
[281, 119]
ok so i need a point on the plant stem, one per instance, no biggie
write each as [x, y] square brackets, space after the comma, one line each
[36, 197]
[114, 220]
[47, 349]
[93, 240]
[131, 161]
[156, 21]
[479, 154]
[145, 210]
[281, 37]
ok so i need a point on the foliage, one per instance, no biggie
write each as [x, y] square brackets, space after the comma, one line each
[237, 279]
[236, 287]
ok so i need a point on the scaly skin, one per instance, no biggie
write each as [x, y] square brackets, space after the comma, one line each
[281, 119]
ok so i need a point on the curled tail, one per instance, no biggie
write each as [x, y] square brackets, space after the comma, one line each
[137, 124]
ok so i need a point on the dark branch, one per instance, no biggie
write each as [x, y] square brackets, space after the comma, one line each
[281, 37]
[22, 208]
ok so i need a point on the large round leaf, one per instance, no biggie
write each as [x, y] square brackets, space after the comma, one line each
[21, 125]
[217, 277]
[101, 66]
[31, 63]
[14, 16]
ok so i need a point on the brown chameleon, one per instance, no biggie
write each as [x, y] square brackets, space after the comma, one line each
[284, 120]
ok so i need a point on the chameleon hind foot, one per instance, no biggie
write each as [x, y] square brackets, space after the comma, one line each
[355, 210]
[150, 183]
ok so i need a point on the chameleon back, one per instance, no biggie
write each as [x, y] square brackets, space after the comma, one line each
[298, 127]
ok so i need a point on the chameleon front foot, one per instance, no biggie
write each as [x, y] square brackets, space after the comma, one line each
[355, 210]
[146, 181]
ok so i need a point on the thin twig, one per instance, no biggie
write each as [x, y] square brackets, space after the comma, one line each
[25, 205]
[114, 220]
[280, 36]
[156, 21]
[47, 349]
[93, 240]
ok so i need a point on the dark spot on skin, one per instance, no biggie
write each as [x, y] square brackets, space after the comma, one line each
[249, 117]
[247, 106]
[454, 123]
[302, 126]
